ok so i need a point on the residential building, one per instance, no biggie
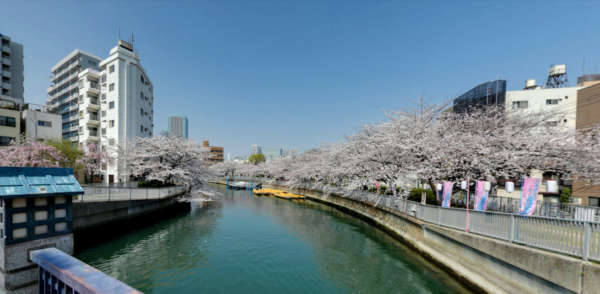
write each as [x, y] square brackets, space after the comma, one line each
[588, 108]
[64, 90]
[211, 154]
[534, 99]
[11, 68]
[486, 94]
[10, 123]
[127, 104]
[178, 126]
[255, 149]
[38, 124]
[107, 102]
[273, 154]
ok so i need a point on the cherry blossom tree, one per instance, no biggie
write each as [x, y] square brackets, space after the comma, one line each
[30, 153]
[167, 160]
[94, 160]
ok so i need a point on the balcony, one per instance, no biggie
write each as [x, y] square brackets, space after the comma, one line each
[93, 106]
[6, 48]
[93, 136]
[93, 120]
[6, 86]
[93, 91]
[6, 61]
[6, 73]
[74, 139]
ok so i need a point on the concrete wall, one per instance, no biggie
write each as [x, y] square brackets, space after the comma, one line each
[87, 215]
[34, 131]
[486, 264]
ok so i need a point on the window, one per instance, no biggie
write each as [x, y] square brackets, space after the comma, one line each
[520, 104]
[111, 68]
[8, 121]
[103, 113]
[552, 101]
[111, 123]
[5, 141]
[44, 123]
[142, 79]
[111, 104]
[103, 96]
[141, 112]
[111, 87]
[142, 95]
[103, 131]
[111, 142]
[141, 129]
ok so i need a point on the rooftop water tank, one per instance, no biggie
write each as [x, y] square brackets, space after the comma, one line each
[557, 69]
[530, 84]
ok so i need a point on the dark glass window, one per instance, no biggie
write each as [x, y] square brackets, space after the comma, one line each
[5, 141]
[8, 121]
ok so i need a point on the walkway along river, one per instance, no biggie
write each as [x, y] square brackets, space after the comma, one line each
[250, 244]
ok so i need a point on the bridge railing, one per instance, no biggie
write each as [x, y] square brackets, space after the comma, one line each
[61, 273]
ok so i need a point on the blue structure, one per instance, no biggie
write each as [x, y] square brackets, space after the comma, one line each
[36, 202]
[62, 273]
[486, 94]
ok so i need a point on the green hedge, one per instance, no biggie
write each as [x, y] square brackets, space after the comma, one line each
[415, 195]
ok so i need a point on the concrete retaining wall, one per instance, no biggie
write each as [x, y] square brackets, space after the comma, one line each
[485, 264]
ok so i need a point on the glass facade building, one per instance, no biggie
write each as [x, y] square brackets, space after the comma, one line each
[486, 94]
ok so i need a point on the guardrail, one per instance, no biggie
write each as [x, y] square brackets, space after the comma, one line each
[61, 273]
[100, 194]
[579, 238]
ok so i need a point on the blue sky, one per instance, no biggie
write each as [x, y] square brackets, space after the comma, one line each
[297, 74]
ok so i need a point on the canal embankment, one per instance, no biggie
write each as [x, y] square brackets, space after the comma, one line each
[97, 218]
[485, 264]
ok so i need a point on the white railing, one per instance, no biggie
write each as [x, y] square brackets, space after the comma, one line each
[101, 194]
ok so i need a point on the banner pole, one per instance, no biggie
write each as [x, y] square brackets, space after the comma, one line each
[467, 207]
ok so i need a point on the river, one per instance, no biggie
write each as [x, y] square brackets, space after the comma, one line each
[250, 244]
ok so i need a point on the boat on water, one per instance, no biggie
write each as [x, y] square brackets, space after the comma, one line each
[239, 185]
[287, 195]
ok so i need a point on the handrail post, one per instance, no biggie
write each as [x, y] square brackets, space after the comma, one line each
[130, 193]
[586, 240]
[511, 236]
[109, 194]
[439, 222]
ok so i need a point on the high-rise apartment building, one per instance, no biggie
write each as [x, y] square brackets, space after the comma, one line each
[255, 149]
[66, 89]
[107, 102]
[178, 126]
[127, 104]
[11, 68]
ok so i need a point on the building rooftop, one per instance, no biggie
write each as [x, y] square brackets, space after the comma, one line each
[36, 181]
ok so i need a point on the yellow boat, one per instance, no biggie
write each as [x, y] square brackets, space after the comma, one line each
[262, 192]
[287, 195]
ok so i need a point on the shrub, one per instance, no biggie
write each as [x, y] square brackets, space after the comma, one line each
[415, 195]
[565, 195]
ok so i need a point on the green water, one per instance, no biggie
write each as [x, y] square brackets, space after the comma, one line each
[254, 244]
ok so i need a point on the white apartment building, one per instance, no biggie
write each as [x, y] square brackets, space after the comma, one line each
[562, 101]
[37, 123]
[63, 93]
[127, 101]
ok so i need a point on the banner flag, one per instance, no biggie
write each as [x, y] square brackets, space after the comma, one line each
[529, 191]
[481, 196]
[447, 194]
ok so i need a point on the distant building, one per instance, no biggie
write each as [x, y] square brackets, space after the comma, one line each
[588, 80]
[211, 154]
[273, 154]
[178, 126]
[38, 124]
[11, 68]
[486, 94]
[10, 123]
[562, 101]
[255, 149]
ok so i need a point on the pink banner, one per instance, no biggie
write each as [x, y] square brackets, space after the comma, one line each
[481, 196]
[529, 191]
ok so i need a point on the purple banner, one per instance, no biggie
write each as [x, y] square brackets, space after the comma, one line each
[481, 196]
[529, 191]
[447, 194]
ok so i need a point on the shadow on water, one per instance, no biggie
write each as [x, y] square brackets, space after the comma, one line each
[266, 245]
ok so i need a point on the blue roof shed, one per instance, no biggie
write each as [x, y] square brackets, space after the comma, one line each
[25, 182]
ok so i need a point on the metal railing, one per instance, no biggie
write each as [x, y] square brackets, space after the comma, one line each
[61, 273]
[103, 193]
[579, 238]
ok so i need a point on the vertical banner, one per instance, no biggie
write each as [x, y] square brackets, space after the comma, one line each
[481, 196]
[394, 189]
[447, 194]
[529, 191]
